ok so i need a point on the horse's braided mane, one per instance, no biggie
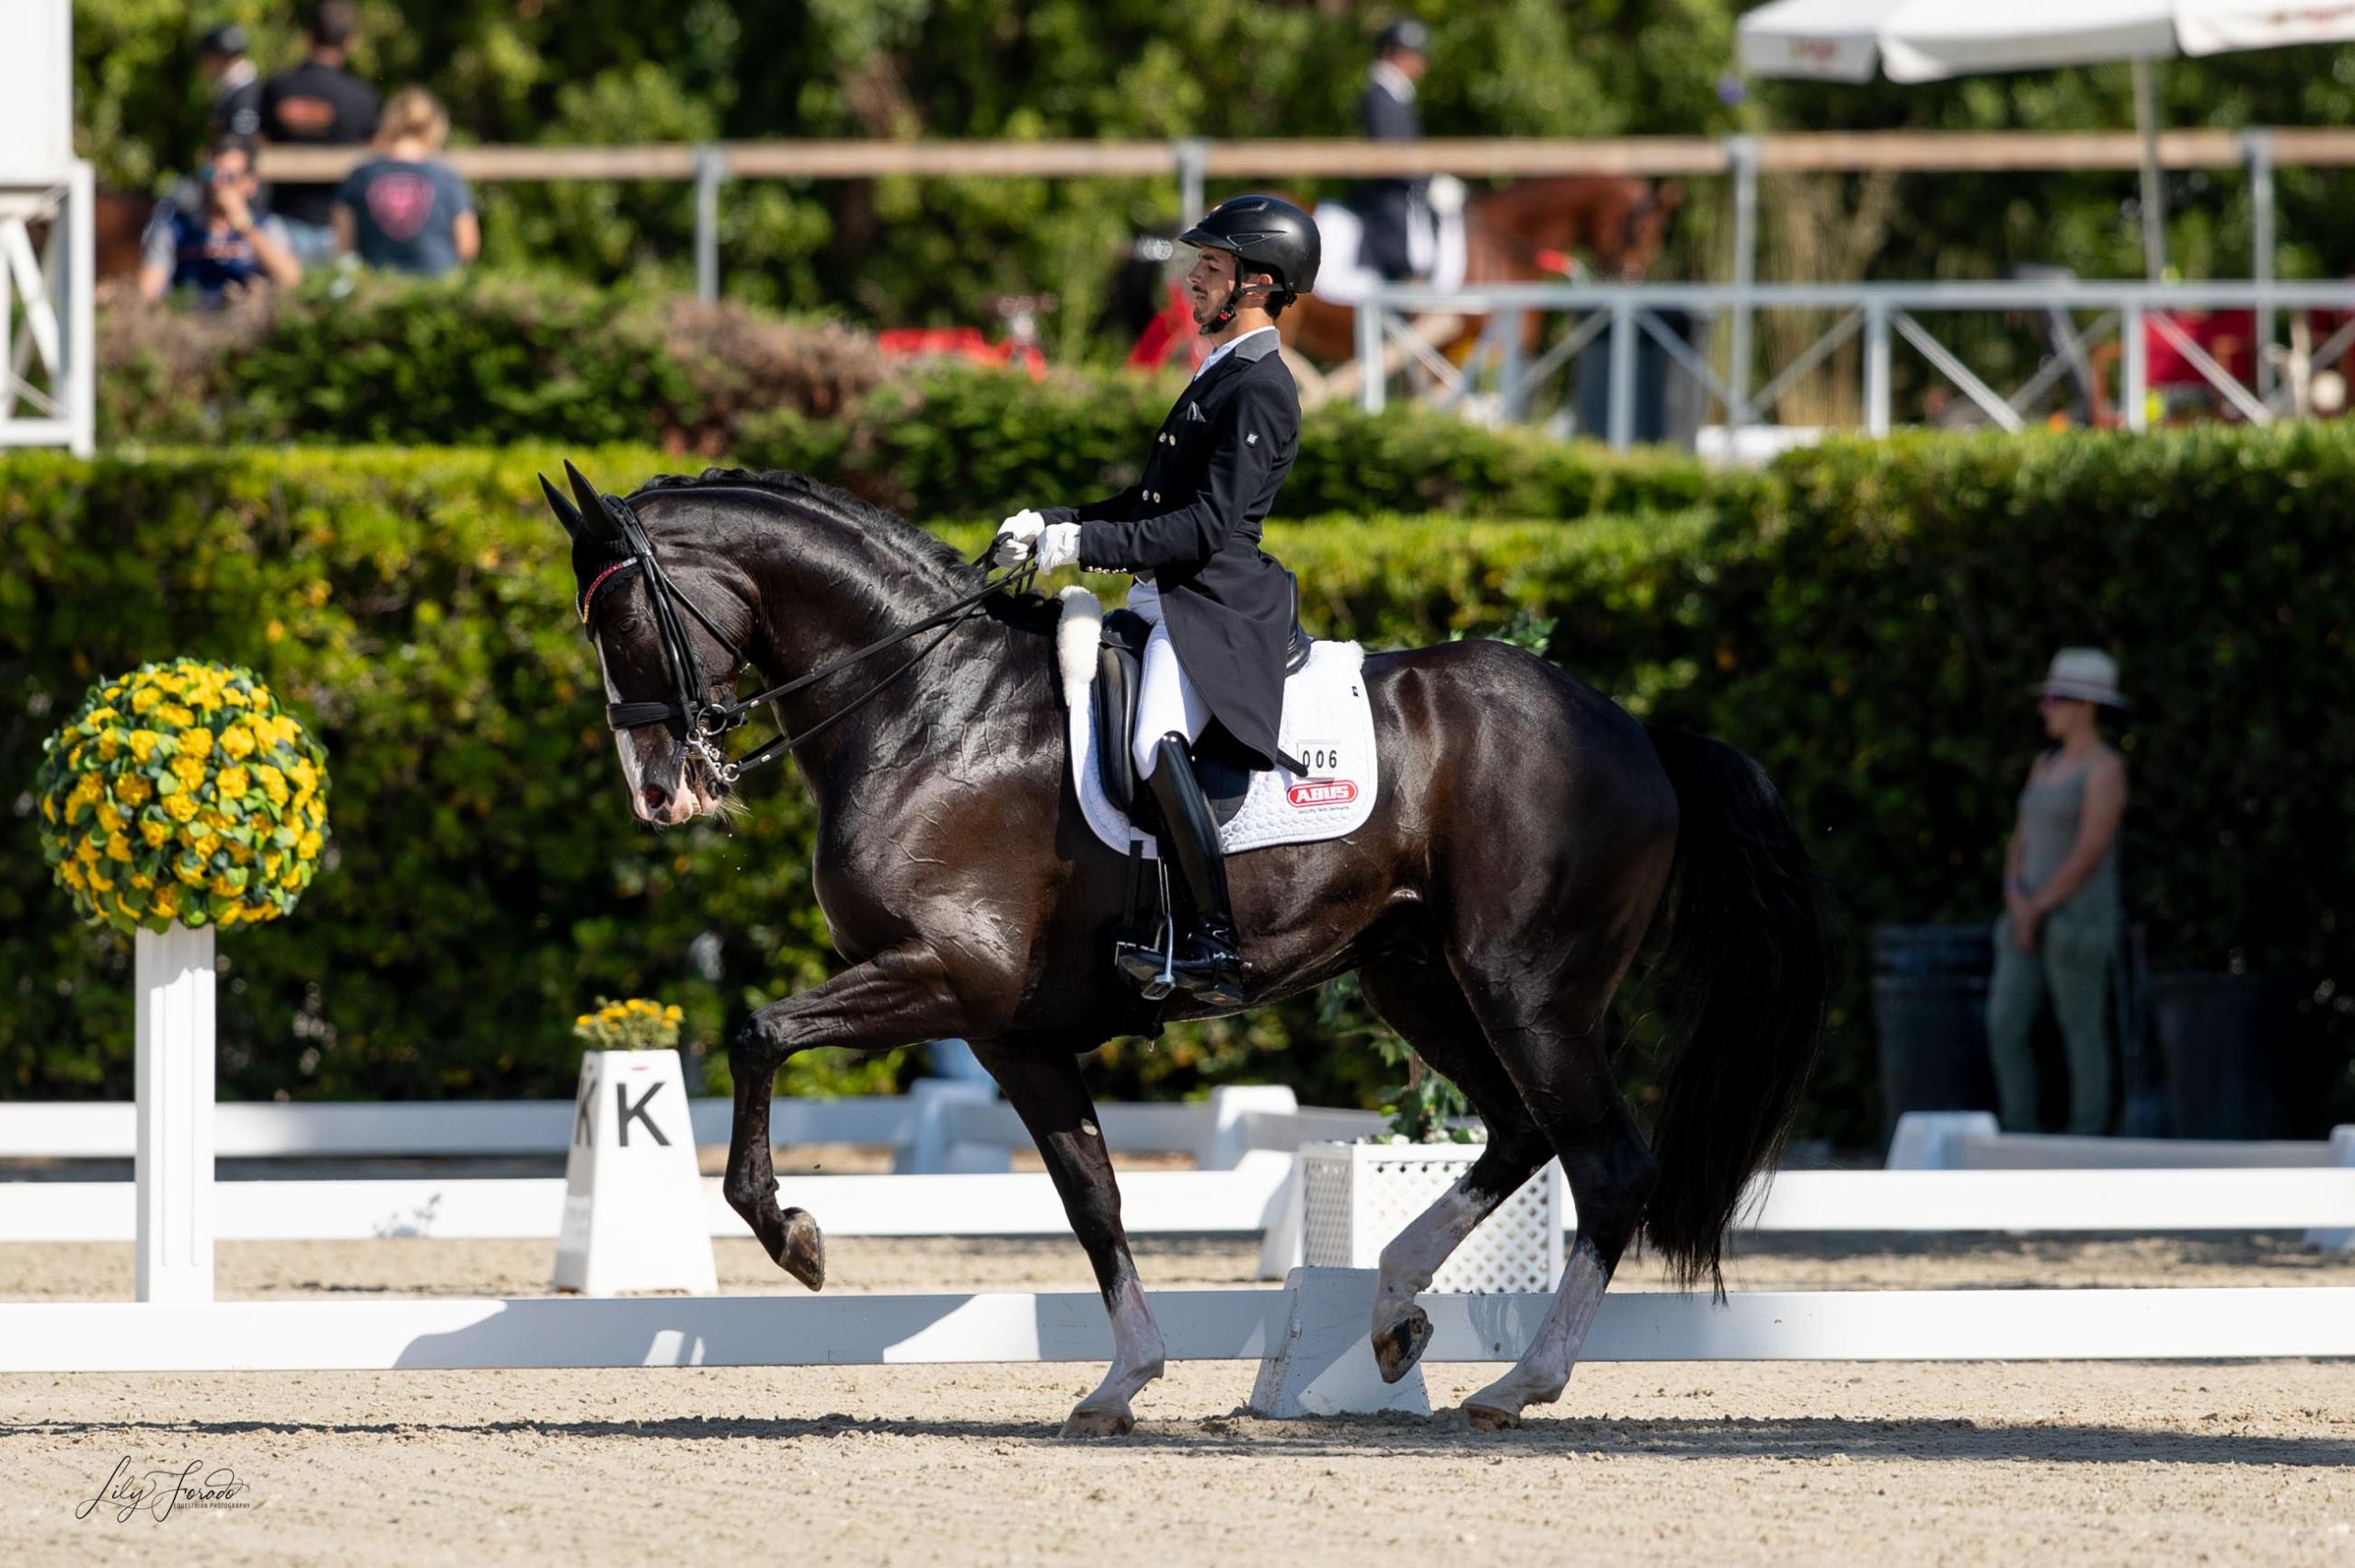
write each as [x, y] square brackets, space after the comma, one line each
[1028, 609]
[817, 496]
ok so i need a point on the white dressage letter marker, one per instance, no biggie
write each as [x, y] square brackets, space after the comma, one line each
[634, 1211]
[1325, 1363]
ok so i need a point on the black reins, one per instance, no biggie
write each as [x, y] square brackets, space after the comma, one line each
[702, 723]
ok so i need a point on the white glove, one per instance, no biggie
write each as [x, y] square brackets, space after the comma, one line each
[1059, 546]
[1016, 537]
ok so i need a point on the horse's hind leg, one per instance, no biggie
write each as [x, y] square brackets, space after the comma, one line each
[1042, 1082]
[1551, 1039]
[1423, 1001]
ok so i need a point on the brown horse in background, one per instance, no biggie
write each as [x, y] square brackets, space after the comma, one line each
[1527, 233]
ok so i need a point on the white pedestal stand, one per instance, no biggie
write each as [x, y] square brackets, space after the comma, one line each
[174, 1113]
[633, 1211]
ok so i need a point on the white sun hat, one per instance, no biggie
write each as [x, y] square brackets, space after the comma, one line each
[2084, 674]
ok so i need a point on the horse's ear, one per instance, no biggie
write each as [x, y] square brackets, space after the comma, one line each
[564, 509]
[1669, 194]
[592, 505]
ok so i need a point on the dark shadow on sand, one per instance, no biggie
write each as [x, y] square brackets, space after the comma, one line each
[1811, 1437]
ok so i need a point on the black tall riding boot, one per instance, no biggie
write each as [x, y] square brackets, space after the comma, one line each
[1208, 964]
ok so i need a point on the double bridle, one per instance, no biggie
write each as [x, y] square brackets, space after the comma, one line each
[702, 723]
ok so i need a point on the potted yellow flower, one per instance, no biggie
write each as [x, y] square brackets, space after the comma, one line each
[181, 793]
[177, 801]
[636, 1025]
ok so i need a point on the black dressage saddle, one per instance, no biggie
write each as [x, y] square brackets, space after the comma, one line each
[1120, 671]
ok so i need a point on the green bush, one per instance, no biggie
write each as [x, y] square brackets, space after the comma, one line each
[483, 359]
[1864, 620]
[951, 441]
[488, 360]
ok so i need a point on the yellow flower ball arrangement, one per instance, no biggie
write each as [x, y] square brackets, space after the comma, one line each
[181, 793]
[636, 1024]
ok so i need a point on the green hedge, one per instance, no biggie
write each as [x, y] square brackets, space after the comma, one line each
[961, 442]
[483, 359]
[489, 359]
[1864, 619]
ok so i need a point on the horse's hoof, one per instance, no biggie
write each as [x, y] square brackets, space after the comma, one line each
[1090, 1422]
[804, 1253]
[1489, 1418]
[1399, 1346]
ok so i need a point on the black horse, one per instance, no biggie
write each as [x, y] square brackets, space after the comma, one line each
[1527, 833]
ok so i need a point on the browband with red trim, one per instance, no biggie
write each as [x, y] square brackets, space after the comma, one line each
[589, 595]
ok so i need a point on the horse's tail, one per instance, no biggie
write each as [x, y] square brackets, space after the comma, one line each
[1744, 983]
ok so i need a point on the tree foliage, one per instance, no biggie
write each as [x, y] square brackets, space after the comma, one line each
[900, 251]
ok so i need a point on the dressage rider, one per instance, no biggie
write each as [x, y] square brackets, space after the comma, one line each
[1386, 113]
[1220, 607]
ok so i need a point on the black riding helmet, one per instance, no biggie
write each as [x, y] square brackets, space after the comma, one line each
[1266, 233]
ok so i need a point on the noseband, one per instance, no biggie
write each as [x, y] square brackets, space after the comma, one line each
[701, 723]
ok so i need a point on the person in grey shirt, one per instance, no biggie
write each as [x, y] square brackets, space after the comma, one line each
[405, 209]
[2063, 913]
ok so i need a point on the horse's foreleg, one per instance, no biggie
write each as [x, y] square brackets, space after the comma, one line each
[1044, 1084]
[899, 996]
[1423, 1003]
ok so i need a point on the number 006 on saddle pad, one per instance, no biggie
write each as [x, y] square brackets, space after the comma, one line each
[1328, 726]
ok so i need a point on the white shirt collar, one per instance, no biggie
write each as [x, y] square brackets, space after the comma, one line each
[1223, 349]
[1401, 85]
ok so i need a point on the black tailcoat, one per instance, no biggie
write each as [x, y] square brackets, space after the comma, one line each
[1386, 207]
[1192, 520]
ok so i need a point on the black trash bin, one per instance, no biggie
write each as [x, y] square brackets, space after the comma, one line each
[1930, 1019]
[2233, 1050]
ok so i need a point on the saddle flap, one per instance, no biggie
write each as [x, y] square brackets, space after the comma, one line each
[1120, 672]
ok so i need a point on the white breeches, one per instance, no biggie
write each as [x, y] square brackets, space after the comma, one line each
[1167, 702]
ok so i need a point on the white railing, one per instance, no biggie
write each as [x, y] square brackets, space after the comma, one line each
[1621, 315]
[48, 333]
[1266, 1325]
[941, 1126]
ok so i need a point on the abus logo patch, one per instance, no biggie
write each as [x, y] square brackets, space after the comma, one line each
[1322, 792]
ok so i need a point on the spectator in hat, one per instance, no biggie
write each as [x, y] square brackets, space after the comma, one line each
[317, 104]
[217, 244]
[406, 210]
[2058, 936]
[233, 87]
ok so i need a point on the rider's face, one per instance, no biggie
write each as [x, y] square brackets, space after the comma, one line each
[1212, 275]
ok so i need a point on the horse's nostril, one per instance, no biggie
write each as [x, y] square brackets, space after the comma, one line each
[654, 797]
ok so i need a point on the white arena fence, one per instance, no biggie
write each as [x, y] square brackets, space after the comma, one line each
[943, 1125]
[1266, 1325]
[1963, 1176]
[1307, 1336]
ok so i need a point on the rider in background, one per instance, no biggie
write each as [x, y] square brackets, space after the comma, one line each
[1220, 607]
[1386, 113]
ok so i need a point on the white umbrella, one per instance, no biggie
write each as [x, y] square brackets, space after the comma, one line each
[1923, 41]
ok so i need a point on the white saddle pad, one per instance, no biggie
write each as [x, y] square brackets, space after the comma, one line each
[1328, 725]
[1436, 249]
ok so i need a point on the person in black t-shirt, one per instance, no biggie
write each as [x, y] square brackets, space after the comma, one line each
[233, 105]
[317, 104]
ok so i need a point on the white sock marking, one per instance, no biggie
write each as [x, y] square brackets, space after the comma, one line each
[1415, 1254]
[1137, 1351]
[1543, 1369]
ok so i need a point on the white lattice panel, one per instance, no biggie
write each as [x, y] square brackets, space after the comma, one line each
[1358, 1195]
